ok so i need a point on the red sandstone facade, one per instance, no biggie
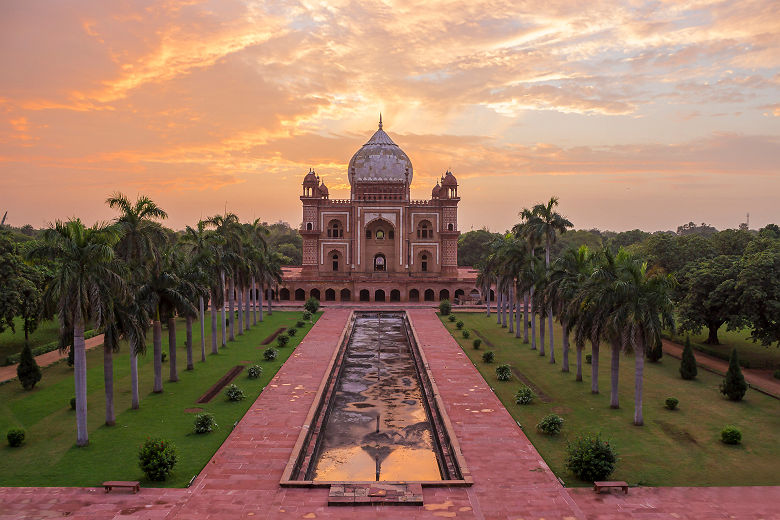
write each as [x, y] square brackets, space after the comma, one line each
[380, 245]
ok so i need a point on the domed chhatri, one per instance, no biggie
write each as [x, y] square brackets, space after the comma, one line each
[380, 160]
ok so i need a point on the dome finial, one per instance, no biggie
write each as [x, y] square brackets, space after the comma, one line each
[380, 120]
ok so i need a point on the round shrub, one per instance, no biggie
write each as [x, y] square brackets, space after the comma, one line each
[503, 373]
[550, 424]
[282, 339]
[270, 354]
[466, 334]
[672, 402]
[731, 435]
[306, 315]
[452, 318]
[72, 403]
[312, 304]
[157, 457]
[234, 393]
[205, 423]
[292, 331]
[163, 356]
[15, 437]
[460, 324]
[299, 324]
[254, 371]
[524, 395]
[488, 356]
[477, 342]
[589, 358]
[590, 458]
[445, 307]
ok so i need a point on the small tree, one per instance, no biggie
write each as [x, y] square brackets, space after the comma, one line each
[28, 370]
[656, 352]
[688, 368]
[734, 385]
[445, 307]
[590, 458]
[312, 305]
[157, 457]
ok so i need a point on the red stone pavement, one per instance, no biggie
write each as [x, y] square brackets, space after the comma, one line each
[511, 479]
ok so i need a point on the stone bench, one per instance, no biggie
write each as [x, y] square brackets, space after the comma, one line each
[598, 486]
[135, 486]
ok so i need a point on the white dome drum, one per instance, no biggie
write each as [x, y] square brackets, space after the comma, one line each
[380, 160]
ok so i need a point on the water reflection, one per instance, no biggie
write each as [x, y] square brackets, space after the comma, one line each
[377, 428]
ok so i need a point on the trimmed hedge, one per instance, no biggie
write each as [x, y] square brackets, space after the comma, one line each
[43, 349]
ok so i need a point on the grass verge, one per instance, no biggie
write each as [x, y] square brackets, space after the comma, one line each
[673, 448]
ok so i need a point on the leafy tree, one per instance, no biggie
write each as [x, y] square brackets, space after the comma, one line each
[10, 279]
[656, 352]
[473, 244]
[707, 296]
[770, 231]
[688, 369]
[692, 229]
[28, 371]
[731, 241]
[626, 238]
[758, 289]
[734, 385]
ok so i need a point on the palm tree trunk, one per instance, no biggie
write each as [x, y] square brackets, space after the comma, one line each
[550, 328]
[80, 380]
[499, 297]
[254, 301]
[203, 330]
[240, 314]
[594, 368]
[134, 378]
[108, 383]
[231, 307]
[173, 376]
[224, 318]
[511, 317]
[580, 348]
[214, 327]
[157, 353]
[565, 338]
[487, 302]
[525, 317]
[639, 371]
[247, 299]
[260, 300]
[270, 297]
[533, 321]
[517, 315]
[615, 372]
[190, 365]
[541, 333]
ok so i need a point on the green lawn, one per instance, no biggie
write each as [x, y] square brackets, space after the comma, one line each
[673, 448]
[751, 355]
[12, 343]
[49, 456]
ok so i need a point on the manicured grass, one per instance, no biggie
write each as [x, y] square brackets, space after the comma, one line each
[49, 456]
[751, 355]
[673, 448]
[12, 343]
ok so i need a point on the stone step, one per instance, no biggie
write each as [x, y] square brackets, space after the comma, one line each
[387, 493]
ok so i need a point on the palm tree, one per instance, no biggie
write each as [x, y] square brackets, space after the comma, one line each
[568, 275]
[142, 237]
[485, 279]
[545, 222]
[272, 273]
[194, 288]
[532, 236]
[80, 290]
[202, 246]
[228, 227]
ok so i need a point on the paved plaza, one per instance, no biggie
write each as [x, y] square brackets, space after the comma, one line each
[511, 481]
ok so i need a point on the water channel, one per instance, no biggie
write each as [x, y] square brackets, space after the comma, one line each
[377, 427]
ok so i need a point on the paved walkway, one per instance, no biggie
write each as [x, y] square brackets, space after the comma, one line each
[762, 379]
[511, 480]
[9, 372]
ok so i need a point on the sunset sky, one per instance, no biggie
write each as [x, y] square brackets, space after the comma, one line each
[635, 114]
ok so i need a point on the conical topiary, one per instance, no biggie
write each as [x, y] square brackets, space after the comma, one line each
[655, 353]
[734, 385]
[688, 364]
[28, 371]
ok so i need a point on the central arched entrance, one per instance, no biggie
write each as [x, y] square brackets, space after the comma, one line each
[379, 295]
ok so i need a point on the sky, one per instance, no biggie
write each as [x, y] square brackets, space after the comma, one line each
[634, 114]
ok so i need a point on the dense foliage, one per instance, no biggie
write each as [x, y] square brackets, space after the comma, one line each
[445, 307]
[157, 457]
[504, 372]
[590, 458]
[27, 370]
[270, 354]
[731, 435]
[734, 385]
[254, 371]
[671, 403]
[204, 423]
[550, 424]
[234, 393]
[312, 305]
[15, 437]
[688, 369]
[524, 395]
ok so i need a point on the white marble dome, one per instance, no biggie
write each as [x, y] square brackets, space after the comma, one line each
[380, 160]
